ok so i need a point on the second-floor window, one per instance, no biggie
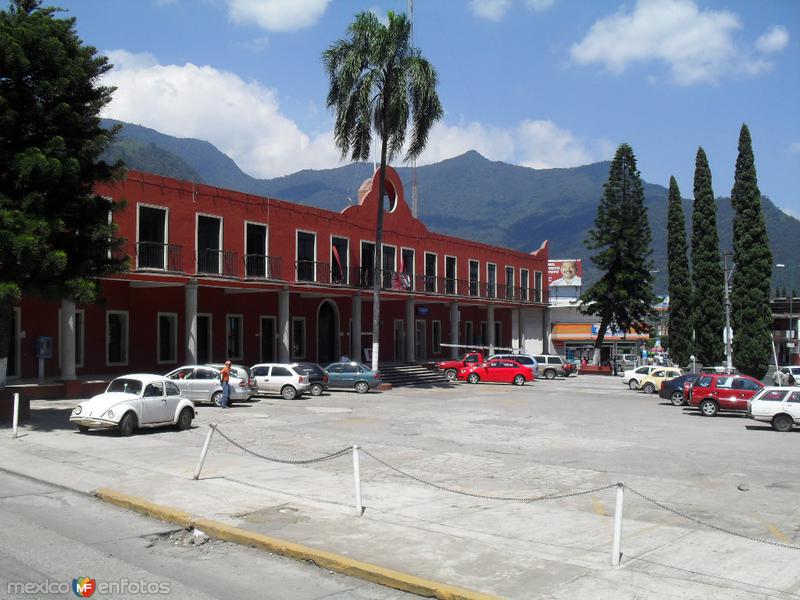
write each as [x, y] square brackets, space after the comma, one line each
[407, 268]
[474, 267]
[256, 250]
[209, 244]
[523, 284]
[306, 256]
[450, 274]
[509, 283]
[537, 286]
[491, 280]
[387, 265]
[151, 249]
[367, 263]
[430, 272]
[339, 260]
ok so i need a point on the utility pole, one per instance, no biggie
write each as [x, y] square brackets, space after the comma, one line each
[728, 345]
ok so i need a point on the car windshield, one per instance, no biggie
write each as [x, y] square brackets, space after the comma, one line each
[127, 386]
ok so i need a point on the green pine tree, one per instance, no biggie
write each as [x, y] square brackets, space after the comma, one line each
[680, 283]
[621, 236]
[751, 315]
[709, 310]
[55, 236]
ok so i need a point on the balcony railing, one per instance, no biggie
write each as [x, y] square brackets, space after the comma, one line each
[158, 256]
[217, 262]
[261, 266]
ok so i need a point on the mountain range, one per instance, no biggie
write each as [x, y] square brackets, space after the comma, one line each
[466, 196]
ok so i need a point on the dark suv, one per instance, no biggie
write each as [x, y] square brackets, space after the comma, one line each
[317, 377]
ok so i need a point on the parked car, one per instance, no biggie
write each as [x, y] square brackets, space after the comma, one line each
[277, 378]
[317, 377]
[779, 406]
[717, 369]
[652, 383]
[551, 365]
[672, 389]
[134, 401]
[241, 379]
[201, 383]
[498, 371]
[450, 367]
[712, 393]
[626, 362]
[352, 376]
[523, 359]
[633, 377]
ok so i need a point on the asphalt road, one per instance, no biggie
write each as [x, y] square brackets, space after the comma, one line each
[51, 536]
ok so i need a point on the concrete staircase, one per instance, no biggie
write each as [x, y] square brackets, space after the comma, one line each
[412, 375]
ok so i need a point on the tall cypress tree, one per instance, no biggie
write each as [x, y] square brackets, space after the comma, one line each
[680, 283]
[709, 310]
[621, 236]
[750, 310]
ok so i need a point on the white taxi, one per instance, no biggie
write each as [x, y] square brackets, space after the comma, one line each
[778, 406]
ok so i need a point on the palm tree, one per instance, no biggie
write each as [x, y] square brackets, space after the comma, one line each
[379, 80]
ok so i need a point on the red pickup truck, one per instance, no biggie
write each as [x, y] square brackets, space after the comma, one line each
[451, 367]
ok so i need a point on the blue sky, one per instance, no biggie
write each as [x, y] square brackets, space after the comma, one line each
[542, 83]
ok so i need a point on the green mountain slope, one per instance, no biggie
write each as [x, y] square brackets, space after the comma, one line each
[467, 196]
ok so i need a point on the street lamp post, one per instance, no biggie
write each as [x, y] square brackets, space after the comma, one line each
[728, 347]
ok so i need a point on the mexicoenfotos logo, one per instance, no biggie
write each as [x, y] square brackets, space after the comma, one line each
[84, 587]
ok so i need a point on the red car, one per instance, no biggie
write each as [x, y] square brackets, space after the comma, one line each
[715, 392]
[500, 371]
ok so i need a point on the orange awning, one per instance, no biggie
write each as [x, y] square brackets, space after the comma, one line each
[583, 332]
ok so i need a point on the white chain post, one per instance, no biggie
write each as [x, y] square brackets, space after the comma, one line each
[357, 482]
[16, 414]
[211, 429]
[615, 552]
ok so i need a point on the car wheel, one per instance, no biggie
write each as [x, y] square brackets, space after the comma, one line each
[649, 388]
[633, 384]
[549, 374]
[676, 398]
[451, 374]
[519, 380]
[216, 398]
[288, 392]
[473, 378]
[782, 423]
[185, 419]
[708, 408]
[127, 425]
[362, 387]
[316, 389]
[83, 429]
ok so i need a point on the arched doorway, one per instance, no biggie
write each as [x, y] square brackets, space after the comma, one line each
[327, 333]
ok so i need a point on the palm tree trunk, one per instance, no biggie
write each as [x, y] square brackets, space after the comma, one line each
[377, 277]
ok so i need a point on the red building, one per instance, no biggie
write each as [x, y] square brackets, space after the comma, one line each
[217, 274]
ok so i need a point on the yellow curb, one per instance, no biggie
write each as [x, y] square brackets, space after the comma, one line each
[143, 506]
[328, 560]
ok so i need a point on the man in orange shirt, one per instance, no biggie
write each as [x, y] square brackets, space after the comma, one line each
[225, 377]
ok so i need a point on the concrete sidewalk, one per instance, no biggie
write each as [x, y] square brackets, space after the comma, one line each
[546, 549]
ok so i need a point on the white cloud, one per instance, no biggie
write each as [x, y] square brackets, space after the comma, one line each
[277, 15]
[697, 45]
[495, 10]
[794, 148]
[533, 143]
[241, 118]
[774, 40]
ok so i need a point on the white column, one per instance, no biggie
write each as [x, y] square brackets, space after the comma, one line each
[521, 330]
[490, 328]
[455, 324]
[355, 341]
[283, 326]
[67, 339]
[411, 332]
[190, 318]
[547, 345]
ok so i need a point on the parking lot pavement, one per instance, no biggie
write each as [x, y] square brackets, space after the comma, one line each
[487, 442]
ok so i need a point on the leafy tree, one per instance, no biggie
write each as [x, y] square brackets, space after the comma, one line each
[55, 236]
[680, 283]
[751, 315]
[621, 236]
[709, 310]
[379, 81]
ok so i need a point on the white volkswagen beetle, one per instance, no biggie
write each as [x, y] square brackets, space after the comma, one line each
[133, 401]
